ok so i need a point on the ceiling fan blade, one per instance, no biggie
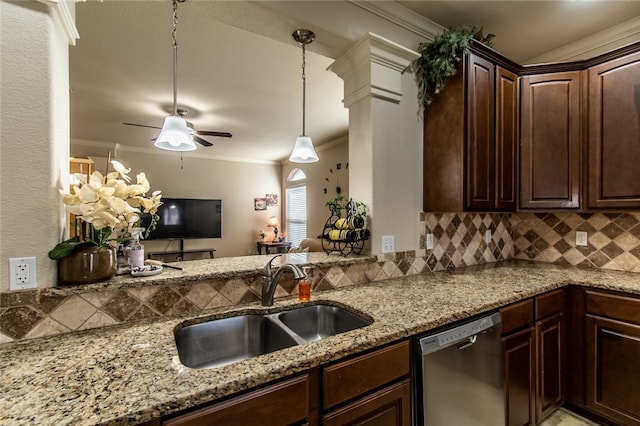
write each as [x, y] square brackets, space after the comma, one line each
[202, 141]
[142, 125]
[209, 133]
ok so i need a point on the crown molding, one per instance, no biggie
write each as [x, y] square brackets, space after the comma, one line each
[593, 45]
[402, 17]
[65, 18]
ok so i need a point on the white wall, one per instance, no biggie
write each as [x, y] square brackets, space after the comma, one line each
[34, 132]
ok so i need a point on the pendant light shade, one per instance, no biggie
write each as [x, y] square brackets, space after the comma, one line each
[303, 151]
[175, 135]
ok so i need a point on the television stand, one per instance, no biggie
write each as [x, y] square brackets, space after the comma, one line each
[179, 253]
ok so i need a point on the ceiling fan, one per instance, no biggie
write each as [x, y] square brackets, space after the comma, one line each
[194, 133]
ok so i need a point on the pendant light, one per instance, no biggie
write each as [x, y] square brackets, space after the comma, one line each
[175, 135]
[303, 151]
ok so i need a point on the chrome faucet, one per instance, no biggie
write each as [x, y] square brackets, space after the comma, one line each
[270, 280]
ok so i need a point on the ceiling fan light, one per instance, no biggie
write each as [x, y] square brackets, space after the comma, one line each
[175, 135]
[303, 151]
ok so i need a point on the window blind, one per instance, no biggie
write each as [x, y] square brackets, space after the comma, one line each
[296, 214]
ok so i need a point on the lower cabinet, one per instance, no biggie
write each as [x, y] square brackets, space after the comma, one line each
[533, 358]
[612, 345]
[369, 389]
[284, 403]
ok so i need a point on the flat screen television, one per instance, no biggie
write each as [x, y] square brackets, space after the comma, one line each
[187, 218]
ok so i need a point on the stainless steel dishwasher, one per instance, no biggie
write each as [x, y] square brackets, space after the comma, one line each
[458, 375]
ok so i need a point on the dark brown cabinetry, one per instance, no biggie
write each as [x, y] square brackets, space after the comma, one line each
[612, 343]
[372, 389]
[614, 132]
[533, 354]
[369, 389]
[470, 137]
[550, 353]
[518, 351]
[550, 149]
[284, 403]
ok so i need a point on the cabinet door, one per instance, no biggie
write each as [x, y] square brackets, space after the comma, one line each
[281, 404]
[613, 370]
[506, 138]
[550, 365]
[480, 187]
[550, 141]
[518, 358]
[614, 132]
[390, 406]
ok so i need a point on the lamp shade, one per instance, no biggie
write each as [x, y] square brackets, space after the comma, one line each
[303, 151]
[175, 135]
[272, 221]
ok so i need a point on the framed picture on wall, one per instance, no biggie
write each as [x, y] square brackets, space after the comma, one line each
[272, 200]
[259, 203]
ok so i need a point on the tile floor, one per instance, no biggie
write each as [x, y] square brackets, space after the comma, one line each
[564, 417]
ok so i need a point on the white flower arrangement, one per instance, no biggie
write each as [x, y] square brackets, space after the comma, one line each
[110, 205]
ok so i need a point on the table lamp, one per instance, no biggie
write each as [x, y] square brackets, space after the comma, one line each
[273, 222]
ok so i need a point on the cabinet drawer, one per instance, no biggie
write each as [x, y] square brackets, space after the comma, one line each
[613, 306]
[517, 316]
[356, 376]
[549, 304]
[280, 404]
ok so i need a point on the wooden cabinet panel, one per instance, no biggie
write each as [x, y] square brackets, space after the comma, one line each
[613, 370]
[390, 406]
[550, 387]
[614, 132]
[519, 379]
[549, 303]
[480, 134]
[517, 315]
[550, 152]
[280, 404]
[507, 110]
[470, 137]
[613, 306]
[351, 378]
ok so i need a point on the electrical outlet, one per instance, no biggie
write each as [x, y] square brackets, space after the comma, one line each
[487, 236]
[581, 238]
[388, 244]
[22, 273]
[429, 241]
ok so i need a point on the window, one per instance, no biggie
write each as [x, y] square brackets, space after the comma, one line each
[296, 196]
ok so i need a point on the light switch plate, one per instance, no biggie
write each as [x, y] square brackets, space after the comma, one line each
[487, 236]
[581, 238]
[388, 244]
[429, 242]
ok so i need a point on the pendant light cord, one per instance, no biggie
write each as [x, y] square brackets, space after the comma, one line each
[304, 88]
[175, 57]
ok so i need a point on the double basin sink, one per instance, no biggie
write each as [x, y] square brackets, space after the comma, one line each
[218, 342]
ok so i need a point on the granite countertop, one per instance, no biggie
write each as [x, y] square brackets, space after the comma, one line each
[224, 267]
[130, 374]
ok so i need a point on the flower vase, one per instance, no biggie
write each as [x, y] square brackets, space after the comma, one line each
[87, 265]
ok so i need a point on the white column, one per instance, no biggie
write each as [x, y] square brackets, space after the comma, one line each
[34, 131]
[385, 137]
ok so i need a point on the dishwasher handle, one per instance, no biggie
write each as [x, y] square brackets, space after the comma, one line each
[470, 341]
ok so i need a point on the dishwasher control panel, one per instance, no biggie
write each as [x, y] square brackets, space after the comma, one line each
[458, 333]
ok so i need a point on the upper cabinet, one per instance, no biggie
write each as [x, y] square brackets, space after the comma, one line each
[470, 136]
[614, 133]
[550, 150]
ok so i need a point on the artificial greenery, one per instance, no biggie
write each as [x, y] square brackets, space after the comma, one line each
[355, 208]
[438, 59]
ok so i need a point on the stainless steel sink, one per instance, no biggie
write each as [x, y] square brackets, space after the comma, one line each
[319, 321]
[219, 342]
[225, 341]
